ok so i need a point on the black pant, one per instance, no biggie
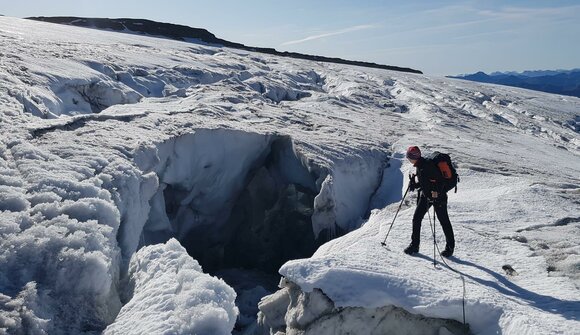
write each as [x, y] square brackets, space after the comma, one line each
[441, 211]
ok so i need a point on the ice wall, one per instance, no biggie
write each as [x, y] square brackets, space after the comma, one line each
[291, 311]
[345, 194]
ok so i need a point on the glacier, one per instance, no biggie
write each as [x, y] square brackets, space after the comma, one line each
[140, 173]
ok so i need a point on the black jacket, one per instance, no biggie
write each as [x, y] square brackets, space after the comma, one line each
[429, 177]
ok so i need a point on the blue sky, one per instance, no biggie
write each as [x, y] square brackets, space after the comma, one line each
[437, 37]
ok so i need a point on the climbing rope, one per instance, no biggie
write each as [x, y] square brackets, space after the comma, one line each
[432, 224]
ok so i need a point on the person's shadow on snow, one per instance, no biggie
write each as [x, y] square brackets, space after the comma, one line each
[569, 309]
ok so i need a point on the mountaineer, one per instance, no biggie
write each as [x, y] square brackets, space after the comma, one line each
[436, 176]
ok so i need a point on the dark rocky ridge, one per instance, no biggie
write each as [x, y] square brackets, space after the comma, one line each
[185, 33]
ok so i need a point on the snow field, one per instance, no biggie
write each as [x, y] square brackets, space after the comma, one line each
[354, 270]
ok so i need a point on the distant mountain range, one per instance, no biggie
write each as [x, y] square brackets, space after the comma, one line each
[189, 34]
[566, 82]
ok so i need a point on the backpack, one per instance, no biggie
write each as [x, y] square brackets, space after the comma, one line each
[443, 162]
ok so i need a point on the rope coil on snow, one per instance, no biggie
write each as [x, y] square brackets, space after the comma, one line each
[432, 224]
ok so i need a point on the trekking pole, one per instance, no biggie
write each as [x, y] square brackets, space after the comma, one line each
[452, 269]
[432, 225]
[434, 240]
[398, 209]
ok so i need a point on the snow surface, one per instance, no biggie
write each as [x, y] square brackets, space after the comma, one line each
[356, 270]
[87, 117]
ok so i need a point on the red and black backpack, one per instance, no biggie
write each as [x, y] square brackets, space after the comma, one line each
[448, 172]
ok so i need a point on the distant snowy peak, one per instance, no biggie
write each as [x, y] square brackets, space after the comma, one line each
[189, 34]
[566, 82]
[534, 73]
[523, 74]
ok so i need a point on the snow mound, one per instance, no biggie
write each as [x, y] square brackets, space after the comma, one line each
[171, 295]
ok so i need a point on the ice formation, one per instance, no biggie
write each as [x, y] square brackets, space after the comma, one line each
[171, 294]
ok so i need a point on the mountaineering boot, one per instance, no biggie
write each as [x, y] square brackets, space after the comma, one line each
[411, 249]
[448, 252]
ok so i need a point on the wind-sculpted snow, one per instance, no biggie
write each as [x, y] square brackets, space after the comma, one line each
[114, 144]
[171, 295]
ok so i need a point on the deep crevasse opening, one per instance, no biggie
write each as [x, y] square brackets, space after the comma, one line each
[242, 204]
[225, 195]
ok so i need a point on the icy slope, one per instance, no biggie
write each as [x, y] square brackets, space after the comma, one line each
[112, 142]
[355, 270]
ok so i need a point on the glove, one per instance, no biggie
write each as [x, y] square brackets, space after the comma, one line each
[412, 184]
